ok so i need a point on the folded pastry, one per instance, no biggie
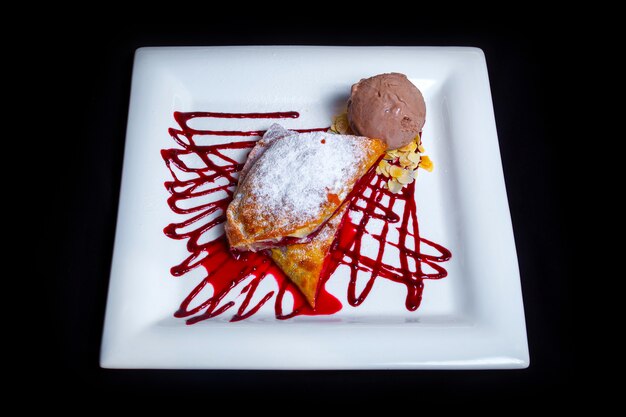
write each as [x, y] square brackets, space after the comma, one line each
[292, 183]
[304, 263]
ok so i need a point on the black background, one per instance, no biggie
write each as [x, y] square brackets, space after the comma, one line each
[92, 68]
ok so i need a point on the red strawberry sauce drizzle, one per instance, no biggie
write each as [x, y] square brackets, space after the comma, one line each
[368, 202]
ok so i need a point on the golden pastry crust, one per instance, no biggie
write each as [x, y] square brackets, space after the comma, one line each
[303, 263]
[292, 184]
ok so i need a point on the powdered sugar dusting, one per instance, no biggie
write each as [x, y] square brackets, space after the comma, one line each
[275, 131]
[297, 172]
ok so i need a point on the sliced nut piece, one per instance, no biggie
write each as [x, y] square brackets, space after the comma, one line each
[383, 167]
[407, 177]
[394, 186]
[426, 163]
[404, 161]
[340, 124]
[414, 157]
[395, 171]
[409, 148]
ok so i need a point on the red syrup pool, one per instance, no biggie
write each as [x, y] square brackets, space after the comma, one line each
[217, 177]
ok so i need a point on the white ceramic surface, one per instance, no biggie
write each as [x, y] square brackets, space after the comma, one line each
[473, 319]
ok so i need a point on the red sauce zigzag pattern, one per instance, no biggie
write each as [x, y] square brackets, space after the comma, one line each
[369, 203]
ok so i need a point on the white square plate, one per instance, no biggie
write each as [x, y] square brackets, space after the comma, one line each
[473, 319]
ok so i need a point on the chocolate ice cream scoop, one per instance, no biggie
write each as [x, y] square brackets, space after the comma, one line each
[387, 107]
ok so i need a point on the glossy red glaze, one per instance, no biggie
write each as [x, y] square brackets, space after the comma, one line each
[225, 273]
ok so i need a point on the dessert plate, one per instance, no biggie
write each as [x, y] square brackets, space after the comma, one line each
[472, 319]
